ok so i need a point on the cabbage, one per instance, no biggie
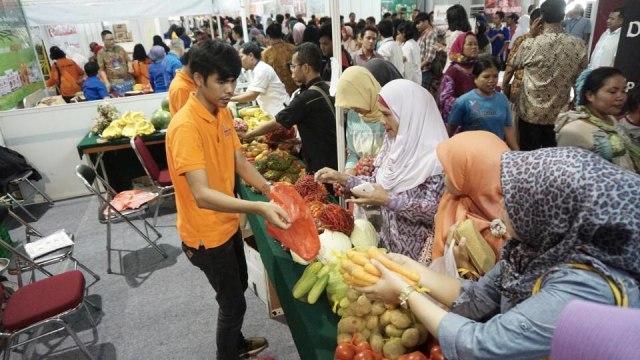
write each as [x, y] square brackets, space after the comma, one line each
[332, 244]
[298, 259]
[364, 234]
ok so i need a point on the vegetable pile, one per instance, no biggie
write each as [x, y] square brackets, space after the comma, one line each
[276, 166]
[130, 124]
[365, 167]
[240, 125]
[358, 270]
[253, 117]
[387, 329]
[280, 134]
[336, 218]
[106, 114]
[310, 190]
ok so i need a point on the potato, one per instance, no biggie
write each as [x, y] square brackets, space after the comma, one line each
[424, 334]
[352, 295]
[385, 318]
[393, 348]
[350, 324]
[377, 342]
[372, 322]
[362, 306]
[366, 333]
[377, 308]
[400, 319]
[392, 331]
[359, 338]
[344, 338]
[410, 337]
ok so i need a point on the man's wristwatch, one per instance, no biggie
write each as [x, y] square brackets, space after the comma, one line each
[266, 187]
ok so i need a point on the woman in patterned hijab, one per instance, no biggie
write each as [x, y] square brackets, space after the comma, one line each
[567, 206]
[575, 222]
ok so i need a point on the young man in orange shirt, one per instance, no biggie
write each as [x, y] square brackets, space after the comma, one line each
[204, 155]
[182, 85]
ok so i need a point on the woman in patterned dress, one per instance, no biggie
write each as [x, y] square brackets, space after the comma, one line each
[575, 226]
[408, 180]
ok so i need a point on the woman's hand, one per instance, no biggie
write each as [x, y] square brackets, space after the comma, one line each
[388, 288]
[330, 176]
[379, 196]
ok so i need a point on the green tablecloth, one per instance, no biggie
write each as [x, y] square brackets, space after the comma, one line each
[314, 327]
[90, 141]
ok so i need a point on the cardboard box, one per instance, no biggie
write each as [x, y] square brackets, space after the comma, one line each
[120, 28]
[259, 282]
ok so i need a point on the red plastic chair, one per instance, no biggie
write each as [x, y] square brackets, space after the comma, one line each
[159, 177]
[42, 303]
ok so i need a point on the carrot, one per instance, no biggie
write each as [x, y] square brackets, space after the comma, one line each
[374, 253]
[348, 265]
[358, 257]
[359, 274]
[353, 281]
[371, 269]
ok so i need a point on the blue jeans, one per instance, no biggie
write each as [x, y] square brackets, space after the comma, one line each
[226, 268]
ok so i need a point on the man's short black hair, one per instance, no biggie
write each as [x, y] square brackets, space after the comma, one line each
[422, 16]
[500, 14]
[386, 15]
[310, 54]
[214, 57]
[274, 31]
[325, 31]
[370, 28]
[180, 31]
[553, 11]
[371, 19]
[620, 11]
[252, 48]
[409, 30]
[104, 33]
[280, 19]
[386, 28]
[238, 30]
[91, 68]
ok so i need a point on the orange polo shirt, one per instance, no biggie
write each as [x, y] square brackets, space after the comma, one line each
[181, 87]
[197, 139]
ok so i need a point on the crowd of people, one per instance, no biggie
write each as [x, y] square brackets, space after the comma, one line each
[560, 217]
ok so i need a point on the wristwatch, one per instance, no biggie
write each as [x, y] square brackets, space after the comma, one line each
[266, 187]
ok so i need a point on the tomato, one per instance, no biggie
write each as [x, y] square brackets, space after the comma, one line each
[345, 351]
[362, 346]
[365, 355]
[436, 353]
[416, 355]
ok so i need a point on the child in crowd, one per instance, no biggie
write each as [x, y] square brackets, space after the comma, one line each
[630, 124]
[93, 88]
[483, 108]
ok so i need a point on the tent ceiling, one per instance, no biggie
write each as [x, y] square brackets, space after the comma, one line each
[49, 12]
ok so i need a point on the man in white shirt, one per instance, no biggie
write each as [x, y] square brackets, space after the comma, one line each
[389, 49]
[264, 84]
[604, 53]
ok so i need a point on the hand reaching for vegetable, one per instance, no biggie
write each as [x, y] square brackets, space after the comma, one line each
[379, 196]
[330, 176]
[388, 288]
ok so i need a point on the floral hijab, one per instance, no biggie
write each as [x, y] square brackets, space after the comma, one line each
[567, 205]
[456, 53]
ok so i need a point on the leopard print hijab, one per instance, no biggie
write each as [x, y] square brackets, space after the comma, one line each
[567, 205]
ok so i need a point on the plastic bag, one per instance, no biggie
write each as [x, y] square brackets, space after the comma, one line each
[447, 263]
[302, 236]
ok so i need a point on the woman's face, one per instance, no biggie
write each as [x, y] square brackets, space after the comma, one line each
[487, 80]
[611, 97]
[470, 48]
[389, 121]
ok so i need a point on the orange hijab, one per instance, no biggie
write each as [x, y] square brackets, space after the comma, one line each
[471, 161]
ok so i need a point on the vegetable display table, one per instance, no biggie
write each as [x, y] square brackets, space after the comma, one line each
[116, 160]
[313, 327]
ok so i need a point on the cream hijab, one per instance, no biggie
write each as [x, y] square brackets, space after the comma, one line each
[357, 88]
[407, 160]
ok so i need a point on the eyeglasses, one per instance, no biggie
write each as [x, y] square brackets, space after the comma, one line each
[292, 66]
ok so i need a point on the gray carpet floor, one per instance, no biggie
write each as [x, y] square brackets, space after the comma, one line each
[151, 307]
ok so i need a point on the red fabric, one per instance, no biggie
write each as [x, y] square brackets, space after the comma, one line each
[458, 44]
[43, 299]
[164, 179]
[130, 199]
[147, 159]
[97, 49]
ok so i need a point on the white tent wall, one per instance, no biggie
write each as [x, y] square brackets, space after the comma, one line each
[361, 8]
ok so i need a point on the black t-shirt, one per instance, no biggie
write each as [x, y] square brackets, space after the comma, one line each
[316, 123]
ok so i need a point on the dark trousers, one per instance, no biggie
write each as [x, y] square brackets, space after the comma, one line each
[427, 78]
[226, 268]
[533, 136]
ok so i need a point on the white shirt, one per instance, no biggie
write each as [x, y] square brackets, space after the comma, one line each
[391, 51]
[604, 53]
[264, 80]
[411, 52]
